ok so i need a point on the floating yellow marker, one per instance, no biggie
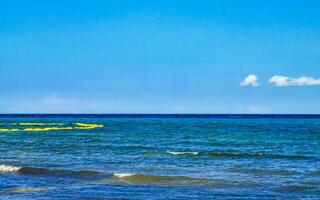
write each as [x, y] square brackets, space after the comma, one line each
[87, 126]
[39, 124]
[25, 126]
[9, 129]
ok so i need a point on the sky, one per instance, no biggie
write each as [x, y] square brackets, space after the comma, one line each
[165, 56]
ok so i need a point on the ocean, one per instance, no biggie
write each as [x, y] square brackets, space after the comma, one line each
[160, 156]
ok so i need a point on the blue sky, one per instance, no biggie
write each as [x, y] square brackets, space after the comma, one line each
[160, 56]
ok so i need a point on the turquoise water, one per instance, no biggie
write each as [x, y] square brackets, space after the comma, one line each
[163, 158]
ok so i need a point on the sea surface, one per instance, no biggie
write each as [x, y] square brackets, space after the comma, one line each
[160, 157]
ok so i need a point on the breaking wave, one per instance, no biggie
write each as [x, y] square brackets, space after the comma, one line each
[182, 153]
[44, 171]
[9, 168]
[136, 178]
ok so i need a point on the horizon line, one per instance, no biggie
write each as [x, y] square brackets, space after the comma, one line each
[158, 114]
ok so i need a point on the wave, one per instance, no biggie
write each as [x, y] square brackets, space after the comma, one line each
[123, 175]
[118, 178]
[135, 178]
[256, 155]
[240, 155]
[182, 153]
[58, 172]
[45, 171]
[9, 168]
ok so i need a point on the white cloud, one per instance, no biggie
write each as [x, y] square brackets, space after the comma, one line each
[283, 81]
[250, 80]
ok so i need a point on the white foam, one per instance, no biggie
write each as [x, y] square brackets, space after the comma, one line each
[122, 175]
[182, 152]
[9, 168]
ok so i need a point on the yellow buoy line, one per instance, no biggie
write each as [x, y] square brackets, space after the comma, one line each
[35, 126]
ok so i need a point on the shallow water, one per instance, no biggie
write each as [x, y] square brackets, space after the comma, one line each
[164, 157]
